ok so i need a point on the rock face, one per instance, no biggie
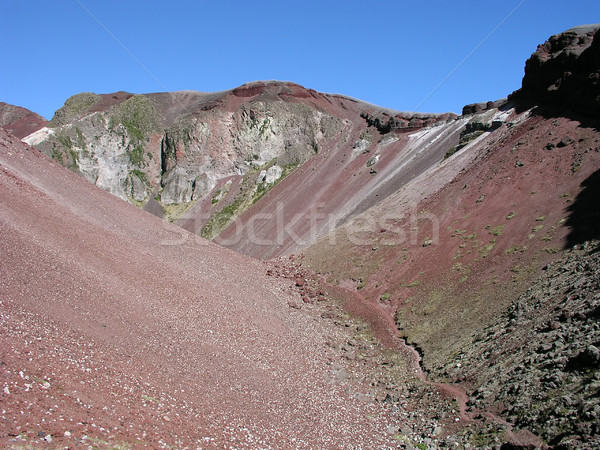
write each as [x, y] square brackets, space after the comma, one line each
[173, 150]
[166, 143]
[18, 121]
[565, 70]
[111, 140]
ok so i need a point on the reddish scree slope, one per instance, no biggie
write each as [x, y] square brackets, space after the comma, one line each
[339, 181]
[496, 213]
[20, 121]
[445, 254]
[106, 332]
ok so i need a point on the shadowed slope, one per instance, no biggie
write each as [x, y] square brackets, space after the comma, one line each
[585, 212]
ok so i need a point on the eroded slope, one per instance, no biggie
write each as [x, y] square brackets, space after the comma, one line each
[206, 159]
[446, 256]
[119, 328]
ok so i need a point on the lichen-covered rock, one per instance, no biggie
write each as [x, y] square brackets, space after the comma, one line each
[74, 107]
[273, 174]
[136, 188]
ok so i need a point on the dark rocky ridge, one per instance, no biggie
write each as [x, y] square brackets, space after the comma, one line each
[475, 108]
[539, 362]
[565, 71]
[385, 122]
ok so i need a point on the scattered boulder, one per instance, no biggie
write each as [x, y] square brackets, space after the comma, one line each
[587, 359]
[361, 145]
[273, 174]
[372, 161]
[565, 141]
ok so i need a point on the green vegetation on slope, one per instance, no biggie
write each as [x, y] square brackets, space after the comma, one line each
[72, 108]
[138, 116]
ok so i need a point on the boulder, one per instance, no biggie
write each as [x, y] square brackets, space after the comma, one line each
[273, 174]
[136, 188]
[183, 185]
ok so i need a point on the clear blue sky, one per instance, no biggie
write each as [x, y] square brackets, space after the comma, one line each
[391, 53]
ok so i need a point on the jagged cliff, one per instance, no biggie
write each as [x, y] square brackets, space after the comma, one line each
[565, 71]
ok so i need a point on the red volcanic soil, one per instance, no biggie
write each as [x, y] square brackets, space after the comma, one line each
[337, 182]
[20, 121]
[106, 101]
[449, 251]
[120, 329]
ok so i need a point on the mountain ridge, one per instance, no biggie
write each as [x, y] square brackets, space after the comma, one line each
[471, 239]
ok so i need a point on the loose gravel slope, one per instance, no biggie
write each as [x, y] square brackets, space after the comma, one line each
[119, 329]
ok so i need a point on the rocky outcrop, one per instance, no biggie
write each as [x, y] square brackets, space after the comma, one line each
[241, 142]
[475, 108]
[18, 121]
[541, 359]
[183, 185]
[177, 147]
[111, 140]
[385, 122]
[269, 176]
[565, 71]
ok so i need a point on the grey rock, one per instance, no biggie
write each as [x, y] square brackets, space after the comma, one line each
[564, 142]
[136, 188]
[183, 185]
[273, 174]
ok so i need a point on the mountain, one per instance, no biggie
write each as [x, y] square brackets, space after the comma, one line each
[18, 121]
[205, 159]
[116, 332]
[467, 243]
